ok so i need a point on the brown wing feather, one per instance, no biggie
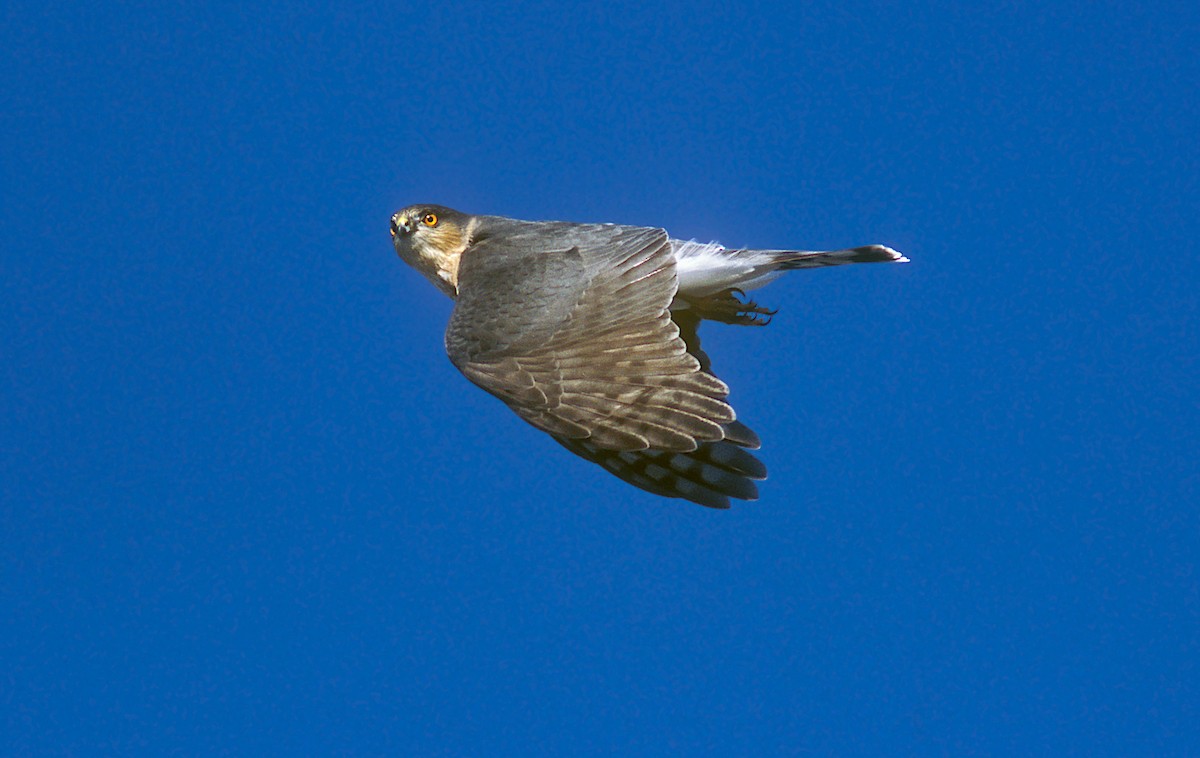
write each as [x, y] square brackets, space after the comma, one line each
[612, 368]
[581, 343]
[709, 475]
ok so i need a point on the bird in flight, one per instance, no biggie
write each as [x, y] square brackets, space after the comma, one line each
[589, 333]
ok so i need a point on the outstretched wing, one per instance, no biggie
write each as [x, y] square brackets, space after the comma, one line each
[709, 475]
[580, 342]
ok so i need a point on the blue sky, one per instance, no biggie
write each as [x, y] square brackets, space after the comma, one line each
[249, 506]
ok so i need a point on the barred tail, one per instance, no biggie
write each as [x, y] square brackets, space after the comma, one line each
[792, 259]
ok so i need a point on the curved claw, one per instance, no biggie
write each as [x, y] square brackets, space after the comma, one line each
[732, 306]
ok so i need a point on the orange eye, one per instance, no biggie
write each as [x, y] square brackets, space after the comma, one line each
[430, 219]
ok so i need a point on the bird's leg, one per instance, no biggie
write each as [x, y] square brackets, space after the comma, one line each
[724, 306]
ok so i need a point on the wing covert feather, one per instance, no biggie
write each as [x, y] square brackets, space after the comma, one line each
[580, 342]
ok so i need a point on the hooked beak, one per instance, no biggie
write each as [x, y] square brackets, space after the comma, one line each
[401, 223]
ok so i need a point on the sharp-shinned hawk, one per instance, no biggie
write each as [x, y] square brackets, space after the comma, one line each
[589, 333]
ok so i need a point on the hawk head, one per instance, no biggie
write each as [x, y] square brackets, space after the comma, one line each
[431, 239]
